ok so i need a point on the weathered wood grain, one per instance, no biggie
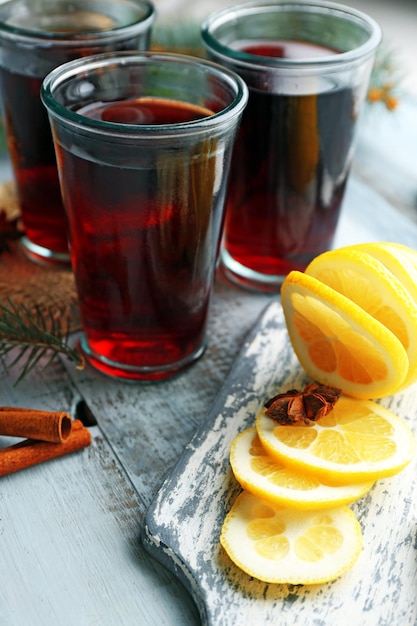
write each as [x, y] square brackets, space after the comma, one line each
[184, 521]
[70, 534]
[150, 426]
[69, 530]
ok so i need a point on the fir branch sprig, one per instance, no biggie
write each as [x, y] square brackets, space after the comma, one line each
[37, 332]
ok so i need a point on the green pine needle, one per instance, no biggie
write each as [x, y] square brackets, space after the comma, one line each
[38, 333]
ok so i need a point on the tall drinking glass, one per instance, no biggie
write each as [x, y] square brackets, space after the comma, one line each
[143, 144]
[307, 65]
[35, 37]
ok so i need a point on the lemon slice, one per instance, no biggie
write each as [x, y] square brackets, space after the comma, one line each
[398, 259]
[282, 545]
[338, 343]
[268, 478]
[411, 253]
[365, 280]
[357, 441]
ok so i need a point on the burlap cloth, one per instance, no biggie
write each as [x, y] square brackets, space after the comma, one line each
[52, 289]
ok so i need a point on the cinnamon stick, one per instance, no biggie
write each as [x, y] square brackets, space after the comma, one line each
[43, 425]
[31, 452]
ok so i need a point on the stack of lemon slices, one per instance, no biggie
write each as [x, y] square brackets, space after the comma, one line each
[352, 321]
[352, 318]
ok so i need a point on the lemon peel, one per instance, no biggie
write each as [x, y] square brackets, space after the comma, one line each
[364, 279]
[260, 474]
[338, 343]
[282, 545]
[357, 441]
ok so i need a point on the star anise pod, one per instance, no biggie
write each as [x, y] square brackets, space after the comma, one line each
[294, 407]
[9, 231]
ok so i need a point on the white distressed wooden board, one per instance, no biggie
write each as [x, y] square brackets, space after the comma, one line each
[183, 523]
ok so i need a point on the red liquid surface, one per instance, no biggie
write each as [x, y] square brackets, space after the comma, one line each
[143, 248]
[145, 110]
[284, 49]
[288, 174]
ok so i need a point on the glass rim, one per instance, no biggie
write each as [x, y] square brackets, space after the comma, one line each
[71, 69]
[19, 34]
[221, 17]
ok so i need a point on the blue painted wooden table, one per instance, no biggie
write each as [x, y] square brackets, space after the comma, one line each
[71, 529]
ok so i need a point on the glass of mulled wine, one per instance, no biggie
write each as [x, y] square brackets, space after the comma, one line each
[35, 37]
[307, 65]
[143, 144]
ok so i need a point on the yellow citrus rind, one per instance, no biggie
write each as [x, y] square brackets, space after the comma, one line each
[257, 472]
[357, 441]
[338, 343]
[368, 282]
[282, 545]
[400, 248]
[400, 260]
